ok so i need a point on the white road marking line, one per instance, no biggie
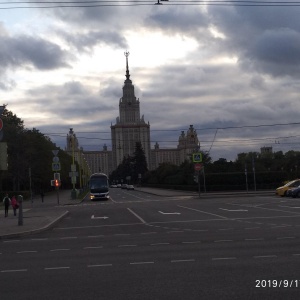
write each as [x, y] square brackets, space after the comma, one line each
[11, 241]
[9, 271]
[234, 210]
[97, 266]
[182, 260]
[96, 236]
[137, 216]
[56, 268]
[148, 233]
[21, 252]
[285, 237]
[175, 231]
[288, 206]
[159, 244]
[44, 239]
[225, 229]
[126, 246]
[95, 218]
[204, 212]
[249, 228]
[169, 213]
[258, 239]
[296, 254]
[142, 262]
[69, 238]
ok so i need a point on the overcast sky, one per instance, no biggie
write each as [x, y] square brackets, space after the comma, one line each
[225, 69]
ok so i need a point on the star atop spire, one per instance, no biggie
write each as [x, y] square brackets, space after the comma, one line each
[127, 69]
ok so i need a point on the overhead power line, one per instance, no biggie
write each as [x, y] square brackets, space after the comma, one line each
[103, 3]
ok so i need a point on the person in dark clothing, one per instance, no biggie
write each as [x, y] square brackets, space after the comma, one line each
[6, 201]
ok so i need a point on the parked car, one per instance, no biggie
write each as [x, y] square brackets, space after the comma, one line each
[124, 186]
[113, 186]
[282, 190]
[294, 192]
[130, 187]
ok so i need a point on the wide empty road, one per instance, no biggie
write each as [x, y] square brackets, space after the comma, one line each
[141, 246]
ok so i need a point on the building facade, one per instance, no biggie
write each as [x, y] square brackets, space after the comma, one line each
[129, 129]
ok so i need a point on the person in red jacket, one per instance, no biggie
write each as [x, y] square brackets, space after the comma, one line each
[14, 204]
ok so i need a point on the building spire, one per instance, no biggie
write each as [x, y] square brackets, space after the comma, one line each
[127, 69]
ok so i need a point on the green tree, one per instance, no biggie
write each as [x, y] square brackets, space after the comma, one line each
[139, 162]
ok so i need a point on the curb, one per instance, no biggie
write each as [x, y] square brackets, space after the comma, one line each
[34, 231]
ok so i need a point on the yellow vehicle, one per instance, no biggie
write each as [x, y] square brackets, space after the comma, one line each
[281, 191]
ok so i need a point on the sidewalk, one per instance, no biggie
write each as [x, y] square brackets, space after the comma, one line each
[37, 215]
[205, 195]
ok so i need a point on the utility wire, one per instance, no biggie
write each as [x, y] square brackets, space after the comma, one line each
[78, 4]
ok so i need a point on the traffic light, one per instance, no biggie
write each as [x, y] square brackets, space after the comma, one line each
[56, 183]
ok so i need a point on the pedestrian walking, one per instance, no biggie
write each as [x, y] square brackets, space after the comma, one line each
[14, 204]
[6, 201]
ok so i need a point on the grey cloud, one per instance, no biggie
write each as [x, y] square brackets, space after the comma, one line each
[266, 40]
[71, 101]
[179, 19]
[85, 41]
[276, 52]
[23, 50]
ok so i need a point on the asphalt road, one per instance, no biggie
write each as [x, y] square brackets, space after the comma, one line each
[140, 246]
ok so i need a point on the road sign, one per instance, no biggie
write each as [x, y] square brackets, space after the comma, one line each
[198, 167]
[55, 166]
[197, 157]
[55, 159]
[55, 152]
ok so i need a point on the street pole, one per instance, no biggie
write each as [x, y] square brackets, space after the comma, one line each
[254, 178]
[199, 186]
[246, 174]
[30, 185]
[57, 194]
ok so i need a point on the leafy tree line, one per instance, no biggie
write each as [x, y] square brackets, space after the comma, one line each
[30, 158]
[249, 171]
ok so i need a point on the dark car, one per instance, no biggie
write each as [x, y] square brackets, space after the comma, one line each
[294, 192]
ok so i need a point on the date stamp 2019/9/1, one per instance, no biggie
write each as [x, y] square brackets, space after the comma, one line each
[277, 283]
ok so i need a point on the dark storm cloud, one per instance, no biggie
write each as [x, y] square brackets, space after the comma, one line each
[266, 40]
[276, 52]
[25, 50]
[177, 19]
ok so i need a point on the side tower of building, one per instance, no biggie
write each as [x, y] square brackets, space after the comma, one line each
[130, 127]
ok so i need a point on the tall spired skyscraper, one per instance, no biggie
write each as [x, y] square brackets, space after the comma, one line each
[130, 128]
